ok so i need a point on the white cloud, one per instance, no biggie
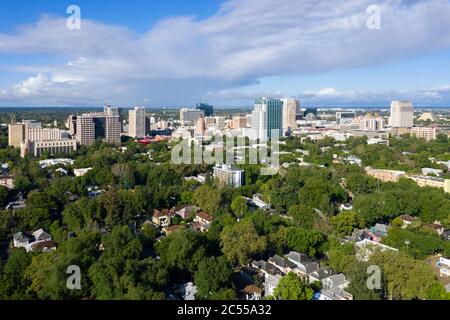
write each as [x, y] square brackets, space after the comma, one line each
[181, 58]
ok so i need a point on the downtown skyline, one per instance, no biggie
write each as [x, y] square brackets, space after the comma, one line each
[224, 53]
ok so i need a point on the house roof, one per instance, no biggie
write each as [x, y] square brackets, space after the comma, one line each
[19, 236]
[407, 217]
[250, 289]
[40, 235]
[205, 216]
[42, 246]
[338, 279]
[158, 214]
[296, 257]
[281, 262]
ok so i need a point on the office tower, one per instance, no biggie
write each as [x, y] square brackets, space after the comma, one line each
[208, 110]
[190, 115]
[99, 125]
[267, 118]
[372, 123]
[291, 107]
[402, 114]
[136, 123]
[71, 124]
[239, 122]
[210, 122]
[16, 134]
[345, 117]
[201, 127]
[229, 176]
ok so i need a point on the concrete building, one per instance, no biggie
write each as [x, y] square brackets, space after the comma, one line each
[402, 114]
[16, 134]
[345, 117]
[239, 122]
[136, 123]
[190, 115]
[229, 176]
[99, 125]
[371, 123]
[53, 147]
[427, 133]
[385, 175]
[291, 108]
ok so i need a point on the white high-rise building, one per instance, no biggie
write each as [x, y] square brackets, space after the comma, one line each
[136, 119]
[291, 107]
[402, 114]
[267, 118]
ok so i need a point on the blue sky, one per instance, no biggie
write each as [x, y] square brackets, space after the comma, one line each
[176, 53]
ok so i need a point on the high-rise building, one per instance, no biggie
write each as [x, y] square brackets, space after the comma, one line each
[201, 127]
[220, 121]
[136, 123]
[371, 123]
[229, 176]
[16, 134]
[402, 114]
[71, 124]
[99, 125]
[208, 110]
[30, 131]
[427, 133]
[190, 115]
[291, 107]
[268, 118]
[345, 117]
[239, 122]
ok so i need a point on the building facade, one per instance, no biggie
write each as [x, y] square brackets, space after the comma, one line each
[402, 114]
[267, 119]
[291, 108]
[226, 175]
[136, 123]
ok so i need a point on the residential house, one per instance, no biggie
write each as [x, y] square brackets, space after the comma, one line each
[446, 235]
[334, 294]
[379, 231]
[37, 241]
[366, 247]
[20, 240]
[185, 211]
[436, 226]
[252, 293]
[171, 229]
[202, 221]
[7, 181]
[407, 220]
[161, 219]
[282, 263]
[444, 267]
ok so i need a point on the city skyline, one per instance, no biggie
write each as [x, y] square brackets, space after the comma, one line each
[221, 53]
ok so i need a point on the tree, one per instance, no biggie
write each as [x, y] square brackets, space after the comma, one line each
[239, 206]
[240, 242]
[306, 241]
[292, 287]
[406, 278]
[347, 221]
[213, 275]
[208, 198]
[13, 281]
[304, 216]
[181, 252]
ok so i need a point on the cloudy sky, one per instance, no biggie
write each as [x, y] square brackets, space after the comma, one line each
[226, 52]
